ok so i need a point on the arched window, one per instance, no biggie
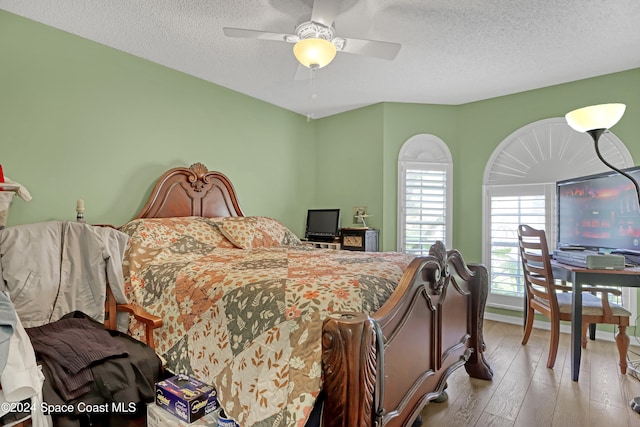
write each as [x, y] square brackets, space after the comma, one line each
[424, 194]
[519, 188]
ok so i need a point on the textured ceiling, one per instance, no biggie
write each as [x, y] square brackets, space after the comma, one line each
[453, 51]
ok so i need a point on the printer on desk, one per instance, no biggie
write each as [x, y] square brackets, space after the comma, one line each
[590, 259]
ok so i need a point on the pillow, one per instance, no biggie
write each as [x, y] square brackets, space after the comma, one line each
[251, 232]
[160, 233]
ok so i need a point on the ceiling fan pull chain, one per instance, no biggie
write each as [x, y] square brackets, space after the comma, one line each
[312, 88]
[312, 83]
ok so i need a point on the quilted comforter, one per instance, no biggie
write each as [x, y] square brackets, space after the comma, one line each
[243, 302]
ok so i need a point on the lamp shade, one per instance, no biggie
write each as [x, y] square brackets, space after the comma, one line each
[602, 116]
[314, 52]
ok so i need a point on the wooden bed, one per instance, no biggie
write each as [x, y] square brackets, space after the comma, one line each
[383, 368]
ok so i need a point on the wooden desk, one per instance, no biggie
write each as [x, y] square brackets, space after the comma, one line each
[578, 276]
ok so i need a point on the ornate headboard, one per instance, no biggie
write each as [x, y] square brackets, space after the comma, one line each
[193, 191]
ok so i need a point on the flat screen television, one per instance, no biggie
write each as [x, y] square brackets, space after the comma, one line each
[599, 212]
[323, 225]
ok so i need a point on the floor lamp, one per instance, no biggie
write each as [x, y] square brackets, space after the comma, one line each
[595, 120]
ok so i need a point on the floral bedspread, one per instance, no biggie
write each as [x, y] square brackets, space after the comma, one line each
[243, 302]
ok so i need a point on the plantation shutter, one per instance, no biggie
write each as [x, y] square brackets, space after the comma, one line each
[425, 208]
[507, 212]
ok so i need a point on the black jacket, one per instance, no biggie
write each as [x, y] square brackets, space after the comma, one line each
[121, 385]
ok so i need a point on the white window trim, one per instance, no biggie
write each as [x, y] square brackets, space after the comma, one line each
[427, 152]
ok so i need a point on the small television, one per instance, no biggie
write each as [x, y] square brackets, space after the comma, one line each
[323, 225]
[599, 212]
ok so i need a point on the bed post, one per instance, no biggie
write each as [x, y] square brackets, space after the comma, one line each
[347, 339]
[477, 365]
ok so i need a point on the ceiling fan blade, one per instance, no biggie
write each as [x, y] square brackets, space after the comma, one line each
[376, 49]
[256, 34]
[325, 11]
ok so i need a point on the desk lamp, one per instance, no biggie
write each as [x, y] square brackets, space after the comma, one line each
[595, 120]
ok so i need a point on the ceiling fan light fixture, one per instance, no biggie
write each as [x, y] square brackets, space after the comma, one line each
[314, 52]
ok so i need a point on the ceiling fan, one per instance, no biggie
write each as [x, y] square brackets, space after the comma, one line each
[315, 43]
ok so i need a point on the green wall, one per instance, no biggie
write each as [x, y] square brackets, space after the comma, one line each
[349, 162]
[472, 132]
[483, 125]
[80, 120]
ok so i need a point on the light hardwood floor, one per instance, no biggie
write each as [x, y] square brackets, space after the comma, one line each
[524, 393]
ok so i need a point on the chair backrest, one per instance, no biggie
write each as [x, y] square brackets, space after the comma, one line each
[536, 265]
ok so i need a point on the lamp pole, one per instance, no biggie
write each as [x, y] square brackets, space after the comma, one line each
[595, 134]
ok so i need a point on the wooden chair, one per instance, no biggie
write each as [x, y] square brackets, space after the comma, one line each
[554, 301]
[111, 309]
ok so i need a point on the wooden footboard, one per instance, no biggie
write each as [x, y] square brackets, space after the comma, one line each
[431, 325]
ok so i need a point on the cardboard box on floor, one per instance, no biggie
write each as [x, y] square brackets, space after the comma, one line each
[158, 417]
[185, 397]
